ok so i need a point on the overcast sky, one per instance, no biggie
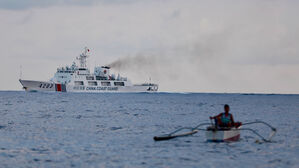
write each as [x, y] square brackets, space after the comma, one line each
[183, 45]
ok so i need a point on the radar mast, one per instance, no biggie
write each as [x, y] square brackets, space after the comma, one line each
[82, 58]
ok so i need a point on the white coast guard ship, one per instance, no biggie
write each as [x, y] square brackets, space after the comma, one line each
[79, 79]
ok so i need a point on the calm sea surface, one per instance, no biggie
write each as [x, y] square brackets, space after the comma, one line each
[116, 130]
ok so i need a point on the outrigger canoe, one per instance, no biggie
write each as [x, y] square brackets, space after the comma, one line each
[216, 134]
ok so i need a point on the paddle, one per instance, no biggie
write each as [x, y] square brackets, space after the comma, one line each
[211, 122]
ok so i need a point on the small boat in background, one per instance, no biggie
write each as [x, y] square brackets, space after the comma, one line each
[214, 134]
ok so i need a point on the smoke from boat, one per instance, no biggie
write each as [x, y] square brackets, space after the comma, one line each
[129, 62]
[190, 62]
[246, 49]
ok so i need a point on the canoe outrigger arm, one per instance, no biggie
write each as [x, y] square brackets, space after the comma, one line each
[193, 130]
[274, 130]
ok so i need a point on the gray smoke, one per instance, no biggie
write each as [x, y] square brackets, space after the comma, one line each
[133, 62]
[175, 64]
[229, 47]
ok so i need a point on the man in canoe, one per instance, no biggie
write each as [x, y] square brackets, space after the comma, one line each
[225, 119]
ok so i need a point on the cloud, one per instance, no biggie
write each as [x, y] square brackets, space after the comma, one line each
[28, 4]
[215, 46]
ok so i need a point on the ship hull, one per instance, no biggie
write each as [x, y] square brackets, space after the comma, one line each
[30, 85]
[215, 135]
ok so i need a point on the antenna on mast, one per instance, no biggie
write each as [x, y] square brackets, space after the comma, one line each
[82, 58]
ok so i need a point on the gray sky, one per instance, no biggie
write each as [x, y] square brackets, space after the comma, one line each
[183, 45]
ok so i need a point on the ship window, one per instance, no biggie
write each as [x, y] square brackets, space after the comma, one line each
[101, 78]
[119, 84]
[77, 83]
[92, 83]
[89, 77]
[106, 83]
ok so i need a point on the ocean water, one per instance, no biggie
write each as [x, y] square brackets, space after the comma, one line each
[116, 130]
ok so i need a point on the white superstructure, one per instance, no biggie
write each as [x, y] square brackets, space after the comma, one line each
[76, 78]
